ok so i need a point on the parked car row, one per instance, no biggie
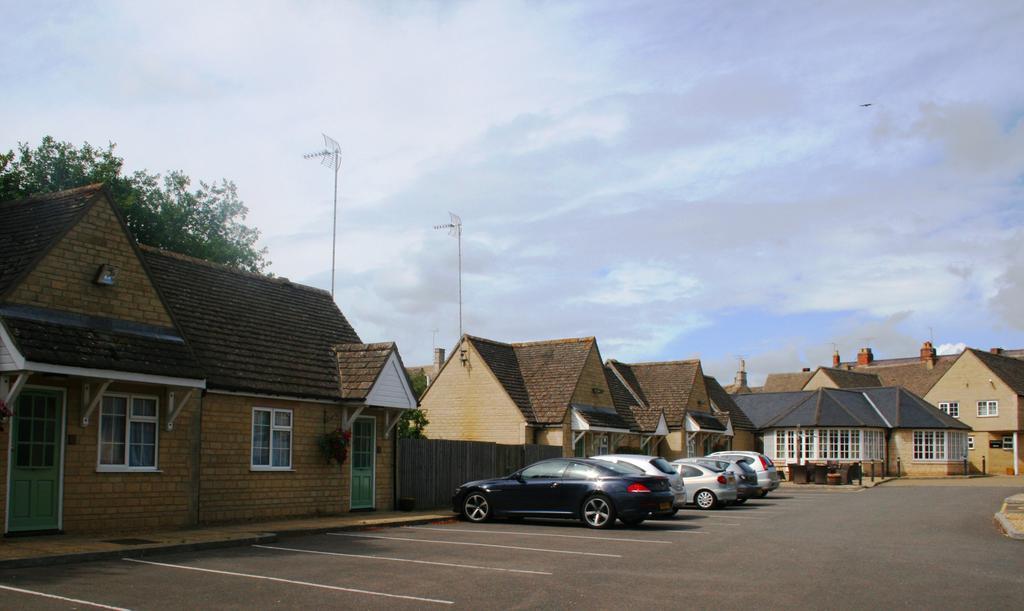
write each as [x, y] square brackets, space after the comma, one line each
[626, 487]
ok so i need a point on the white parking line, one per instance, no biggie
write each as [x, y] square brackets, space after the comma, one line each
[528, 549]
[732, 517]
[293, 582]
[525, 534]
[449, 564]
[64, 598]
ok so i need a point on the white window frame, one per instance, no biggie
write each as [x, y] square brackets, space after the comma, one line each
[123, 466]
[602, 445]
[939, 446]
[952, 408]
[273, 411]
[991, 409]
[970, 442]
[1007, 442]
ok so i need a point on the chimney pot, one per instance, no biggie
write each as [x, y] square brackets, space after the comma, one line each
[928, 354]
[996, 350]
[438, 359]
[835, 359]
[805, 369]
[864, 357]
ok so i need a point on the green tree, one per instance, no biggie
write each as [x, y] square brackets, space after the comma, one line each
[412, 423]
[419, 383]
[162, 211]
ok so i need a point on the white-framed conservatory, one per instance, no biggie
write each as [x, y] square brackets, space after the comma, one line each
[798, 445]
[939, 446]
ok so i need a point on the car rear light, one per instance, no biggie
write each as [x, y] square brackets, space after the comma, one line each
[721, 479]
[764, 463]
[637, 488]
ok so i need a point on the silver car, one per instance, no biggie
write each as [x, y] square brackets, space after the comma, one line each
[767, 475]
[653, 465]
[746, 478]
[707, 487]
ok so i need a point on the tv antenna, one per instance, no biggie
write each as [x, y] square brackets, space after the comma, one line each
[330, 157]
[454, 227]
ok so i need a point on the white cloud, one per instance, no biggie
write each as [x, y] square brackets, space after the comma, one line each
[956, 348]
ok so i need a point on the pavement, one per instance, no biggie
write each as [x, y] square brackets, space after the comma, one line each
[54, 549]
[1011, 516]
[890, 547]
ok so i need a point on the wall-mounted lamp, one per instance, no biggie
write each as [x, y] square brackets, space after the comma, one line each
[463, 357]
[597, 390]
[106, 275]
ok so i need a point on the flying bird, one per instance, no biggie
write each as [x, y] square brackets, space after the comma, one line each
[866, 105]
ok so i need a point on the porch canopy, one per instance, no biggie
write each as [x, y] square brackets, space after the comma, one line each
[373, 375]
[590, 419]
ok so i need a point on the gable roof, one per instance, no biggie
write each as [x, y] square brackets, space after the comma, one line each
[502, 361]
[844, 378]
[886, 407]
[724, 402]
[551, 370]
[253, 333]
[706, 421]
[601, 418]
[638, 414]
[30, 226]
[665, 386]
[360, 365]
[786, 382]
[1010, 370]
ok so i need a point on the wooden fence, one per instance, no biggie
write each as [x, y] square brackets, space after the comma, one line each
[429, 470]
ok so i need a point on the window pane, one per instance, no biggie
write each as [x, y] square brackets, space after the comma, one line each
[142, 451]
[144, 408]
[113, 417]
[261, 438]
[282, 449]
[282, 418]
[578, 471]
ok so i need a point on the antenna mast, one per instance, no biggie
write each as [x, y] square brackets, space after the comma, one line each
[454, 227]
[330, 157]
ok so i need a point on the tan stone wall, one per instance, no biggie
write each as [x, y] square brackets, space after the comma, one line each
[232, 490]
[123, 501]
[819, 380]
[674, 445]
[63, 280]
[967, 382]
[743, 440]
[699, 401]
[551, 437]
[592, 387]
[901, 444]
[467, 402]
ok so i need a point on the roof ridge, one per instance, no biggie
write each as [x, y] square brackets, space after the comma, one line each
[477, 338]
[675, 362]
[46, 195]
[227, 268]
[367, 345]
[564, 340]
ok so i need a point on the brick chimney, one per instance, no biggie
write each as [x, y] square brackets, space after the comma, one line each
[805, 369]
[438, 359]
[864, 357]
[741, 376]
[928, 354]
[996, 350]
[835, 359]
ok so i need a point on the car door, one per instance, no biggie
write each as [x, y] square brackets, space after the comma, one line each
[578, 481]
[691, 475]
[539, 492]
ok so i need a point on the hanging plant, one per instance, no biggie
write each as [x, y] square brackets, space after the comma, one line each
[334, 445]
[5, 413]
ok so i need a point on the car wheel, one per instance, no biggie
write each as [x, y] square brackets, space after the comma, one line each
[764, 493]
[633, 521]
[476, 508]
[740, 501]
[705, 499]
[598, 512]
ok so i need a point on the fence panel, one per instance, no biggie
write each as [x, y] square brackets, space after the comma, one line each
[429, 470]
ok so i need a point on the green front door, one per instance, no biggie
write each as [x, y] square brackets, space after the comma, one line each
[363, 456]
[36, 433]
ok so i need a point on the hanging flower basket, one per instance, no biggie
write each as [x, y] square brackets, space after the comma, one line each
[334, 445]
[5, 413]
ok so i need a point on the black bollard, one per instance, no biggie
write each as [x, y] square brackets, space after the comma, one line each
[899, 467]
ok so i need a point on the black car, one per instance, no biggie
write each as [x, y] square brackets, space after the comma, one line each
[577, 488]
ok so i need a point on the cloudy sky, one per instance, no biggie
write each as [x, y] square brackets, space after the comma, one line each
[678, 179]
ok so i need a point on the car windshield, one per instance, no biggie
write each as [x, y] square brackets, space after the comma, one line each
[663, 465]
[717, 465]
[622, 468]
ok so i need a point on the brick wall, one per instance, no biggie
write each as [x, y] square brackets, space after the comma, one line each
[467, 402]
[108, 502]
[63, 280]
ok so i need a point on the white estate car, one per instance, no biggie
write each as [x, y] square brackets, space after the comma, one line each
[653, 465]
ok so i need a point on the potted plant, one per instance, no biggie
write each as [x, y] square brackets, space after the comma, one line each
[334, 445]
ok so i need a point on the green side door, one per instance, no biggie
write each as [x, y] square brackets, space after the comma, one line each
[36, 433]
[363, 456]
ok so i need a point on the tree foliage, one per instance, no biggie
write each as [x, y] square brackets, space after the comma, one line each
[412, 424]
[163, 211]
[419, 383]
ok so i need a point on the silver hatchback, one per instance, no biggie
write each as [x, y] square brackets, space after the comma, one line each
[767, 475]
[707, 486]
[652, 465]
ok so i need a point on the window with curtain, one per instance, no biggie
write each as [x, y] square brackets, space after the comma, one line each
[128, 432]
[271, 438]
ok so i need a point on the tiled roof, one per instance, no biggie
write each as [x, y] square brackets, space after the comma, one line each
[786, 382]
[30, 226]
[601, 417]
[903, 409]
[665, 386]
[156, 352]
[359, 366]
[724, 402]
[762, 407]
[910, 373]
[551, 371]
[640, 416]
[851, 379]
[1009, 369]
[253, 333]
[501, 360]
[706, 421]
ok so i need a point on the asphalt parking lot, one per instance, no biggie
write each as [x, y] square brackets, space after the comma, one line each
[932, 547]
